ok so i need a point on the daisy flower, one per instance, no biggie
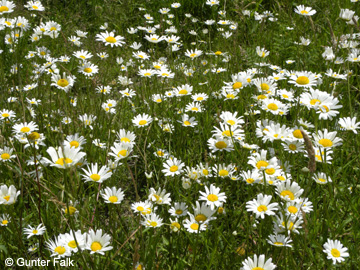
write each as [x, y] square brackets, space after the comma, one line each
[192, 226]
[288, 190]
[25, 128]
[159, 197]
[6, 154]
[305, 11]
[88, 69]
[142, 207]
[31, 231]
[109, 38]
[73, 240]
[193, 53]
[112, 195]
[251, 177]
[75, 140]
[173, 167]
[142, 120]
[83, 55]
[178, 210]
[321, 178]
[6, 7]
[327, 139]
[152, 220]
[65, 82]
[203, 213]
[187, 121]
[220, 143]
[58, 248]
[212, 196]
[97, 242]
[258, 263]
[261, 206]
[63, 157]
[8, 195]
[262, 52]
[335, 251]
[348, 123]
[4, 220]
[279, 240]
[95, 175]
[303, 79]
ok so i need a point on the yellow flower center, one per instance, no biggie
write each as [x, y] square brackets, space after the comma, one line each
[270, 171]
[187, 123]
[4, 222]
[74, 144]
[292, 147]
[53, 28]
[194, 226]
[304, 12]
[262, 208]
[110, 39]
[87, 70]
[95, 177]
[278, 244]
[237, 85]
[223, 173]
[200, 99]
[95, 246]
[122, 153]
[297, 134]
[72, 244]
[62, 82]
[5, 115]
[124, 139]
[178, 211]
[183, 92]
[34, 7]
[212, 197]
[322, 180]
[230, 122]
[113, 199]
[60, 250]
[160, 153]
[5, 156]
[192, 55]
[35, 231]
[231, 96]
[227, 133]
[262, 163]
[142, 122]
[250, 180]
[25, 129]
[176, 225]
[272, 106]
[7, 198]
[315, 101]
[259, 97]
[61, 161]
[140, 208]
[287, 193]
[302, 80]
[335, 252]
[218, 53]
[326, 142]
[264, 86]
[71, 211]
[153, 223]
[292, 209]
[221, 145]
[174, 168]
[4, 8]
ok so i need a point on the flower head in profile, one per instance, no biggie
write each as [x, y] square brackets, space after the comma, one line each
[63, 157]
[305, 11]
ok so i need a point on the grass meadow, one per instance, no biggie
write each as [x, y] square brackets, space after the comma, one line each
[180, 135]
